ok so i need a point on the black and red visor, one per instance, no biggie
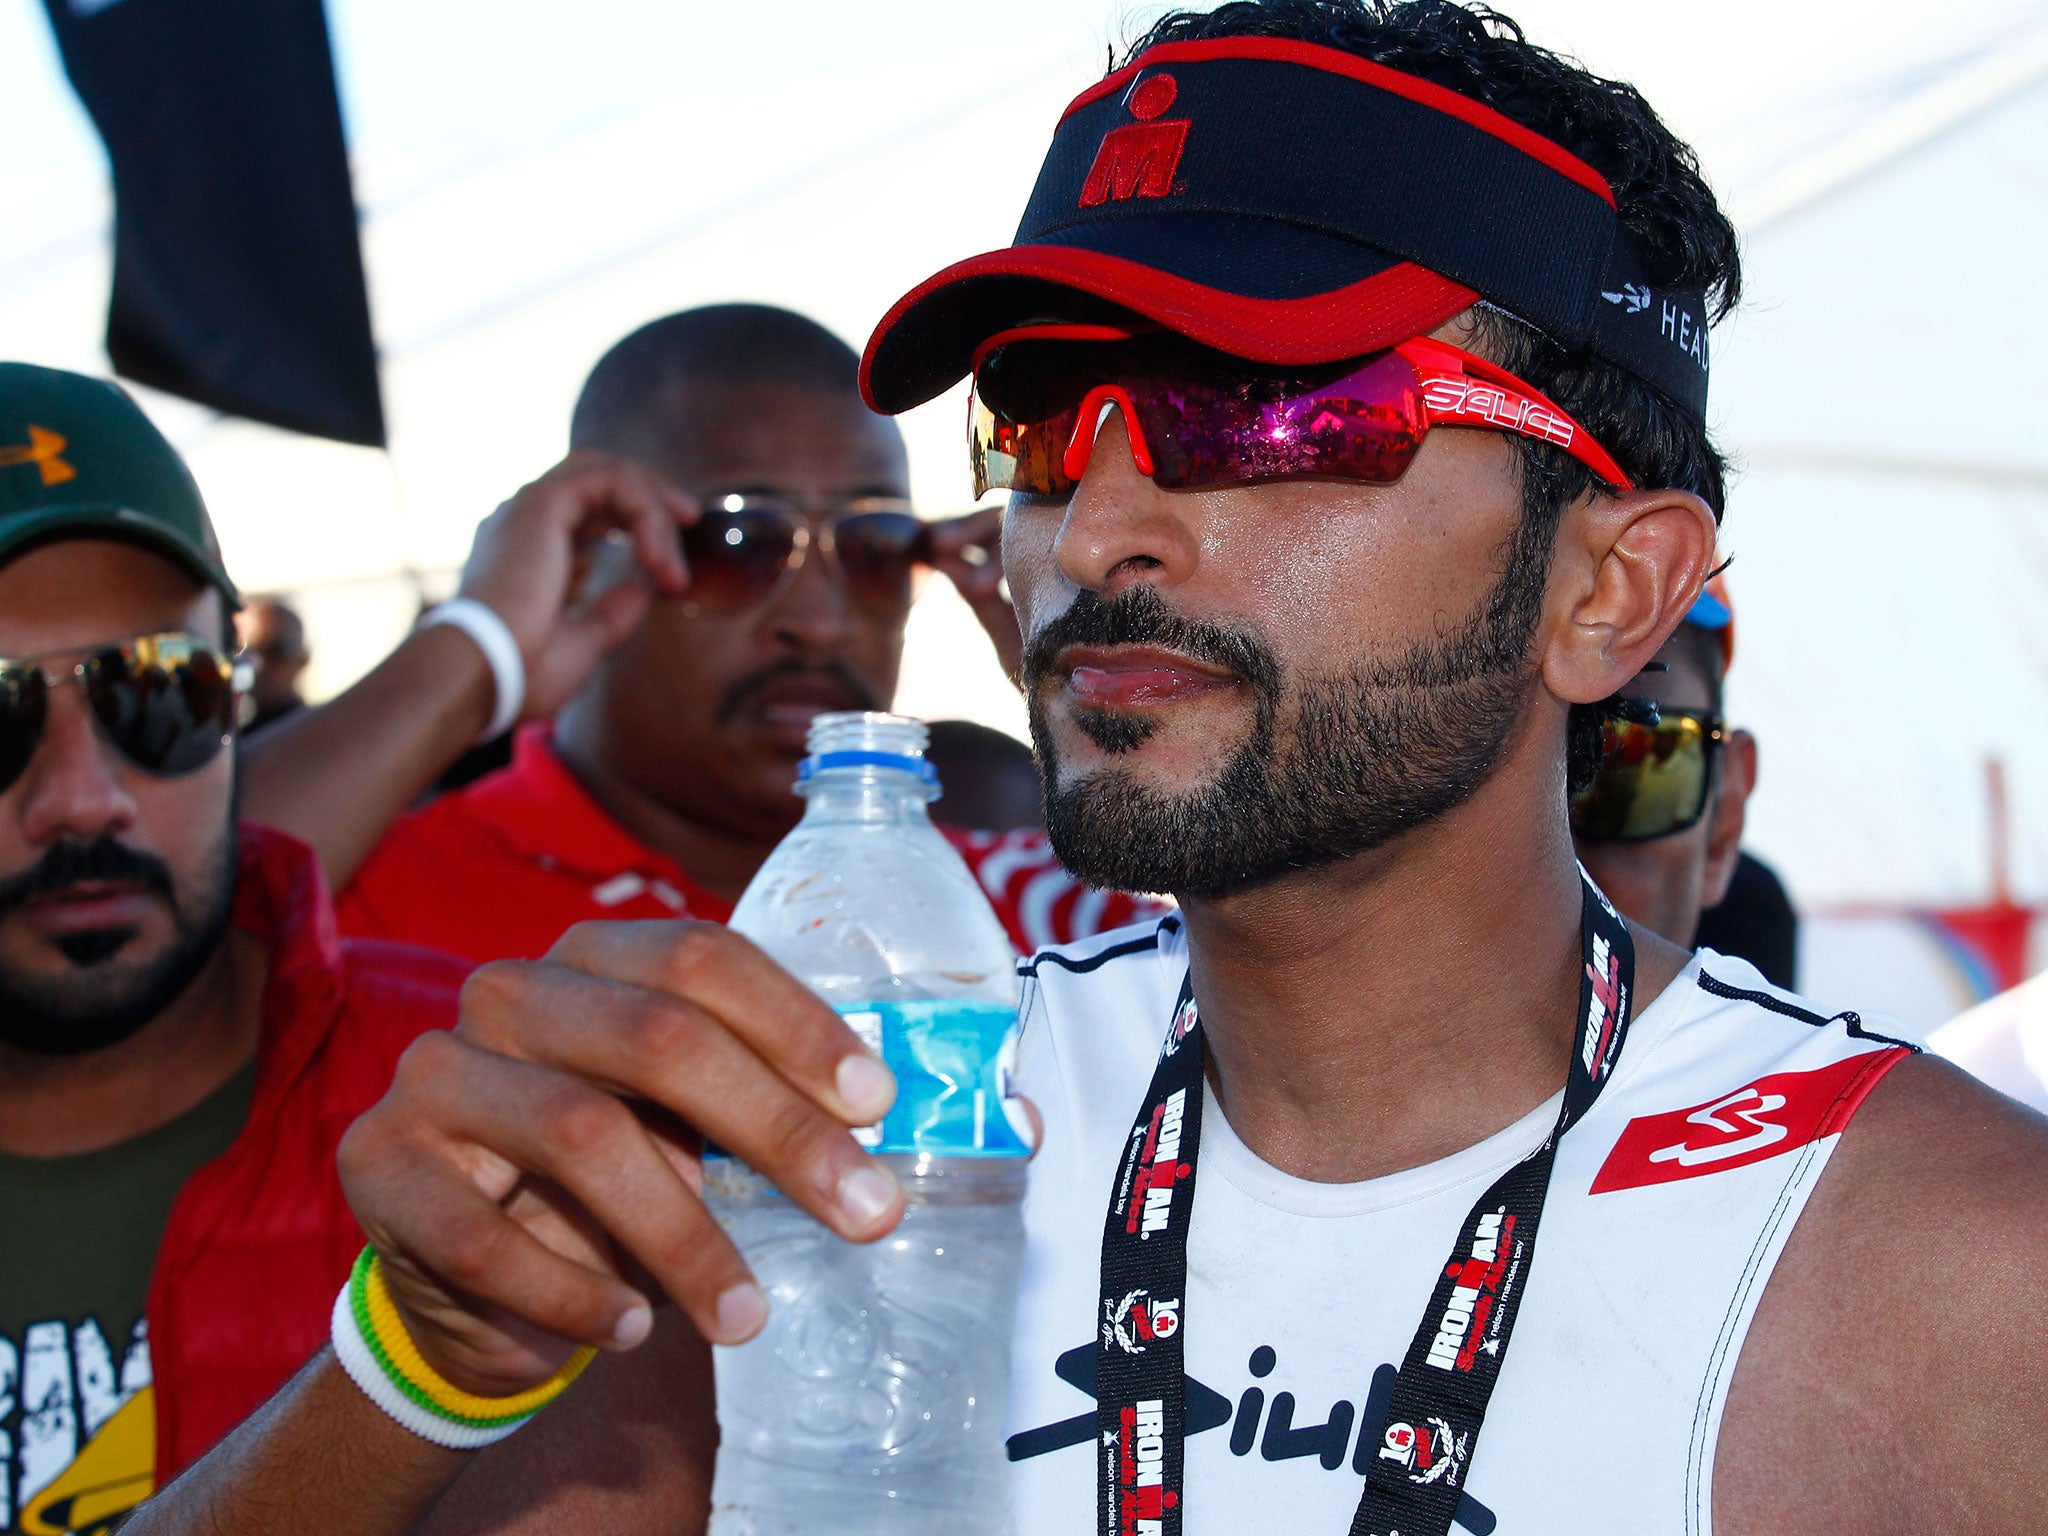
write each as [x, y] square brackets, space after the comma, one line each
[1291, 203]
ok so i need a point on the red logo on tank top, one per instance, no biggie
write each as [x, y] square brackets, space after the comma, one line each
[1139, 159]
[1771, 1116]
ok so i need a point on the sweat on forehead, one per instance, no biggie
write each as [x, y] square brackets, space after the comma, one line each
[719, 345]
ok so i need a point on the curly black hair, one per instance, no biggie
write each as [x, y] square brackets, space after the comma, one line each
[1658, 190]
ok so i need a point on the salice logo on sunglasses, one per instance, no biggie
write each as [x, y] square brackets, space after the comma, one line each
[1139, 159]
[1474, 400]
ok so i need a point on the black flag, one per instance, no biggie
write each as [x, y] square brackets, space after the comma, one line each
[238, 279]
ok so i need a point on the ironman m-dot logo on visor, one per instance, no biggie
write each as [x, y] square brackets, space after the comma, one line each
[1139, 159]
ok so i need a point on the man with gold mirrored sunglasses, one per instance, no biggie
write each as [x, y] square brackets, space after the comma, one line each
[1660, 823]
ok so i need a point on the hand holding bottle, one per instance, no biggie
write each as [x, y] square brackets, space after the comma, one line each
[872, 1403]
[532, 1179]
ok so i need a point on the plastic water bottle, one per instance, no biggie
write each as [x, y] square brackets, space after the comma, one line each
[871, 1404]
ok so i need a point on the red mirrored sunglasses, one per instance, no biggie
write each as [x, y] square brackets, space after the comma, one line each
[1199, 418]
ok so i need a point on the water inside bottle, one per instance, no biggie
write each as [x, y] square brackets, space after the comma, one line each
[872, 1402]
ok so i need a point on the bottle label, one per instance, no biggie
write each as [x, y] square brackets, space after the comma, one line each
[952, 1059]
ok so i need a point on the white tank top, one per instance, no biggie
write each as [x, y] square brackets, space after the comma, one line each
[1668, 1207]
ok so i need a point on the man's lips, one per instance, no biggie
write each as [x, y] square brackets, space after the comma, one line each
[1137, 677]
[89, 906]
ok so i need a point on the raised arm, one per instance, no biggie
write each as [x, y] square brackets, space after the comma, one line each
[339, 775]
[531, 1184]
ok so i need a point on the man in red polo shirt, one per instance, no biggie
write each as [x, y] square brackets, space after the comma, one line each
[660, 786]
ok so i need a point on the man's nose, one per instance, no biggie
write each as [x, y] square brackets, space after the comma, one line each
[812, 613]
[75, 785]
[1120, 528]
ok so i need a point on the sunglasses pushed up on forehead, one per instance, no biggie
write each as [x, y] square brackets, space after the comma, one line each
[1198, 418]
[167, 703]
[745, 546]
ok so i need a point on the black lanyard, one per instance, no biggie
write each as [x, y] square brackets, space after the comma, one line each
[1439, 1400]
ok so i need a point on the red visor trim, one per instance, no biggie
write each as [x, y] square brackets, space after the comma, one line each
[1337, 62]
[1367, 316]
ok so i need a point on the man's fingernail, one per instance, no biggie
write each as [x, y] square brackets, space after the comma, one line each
[633, 1326]
[865, 1086]
[741, 1312]
[866, 1193]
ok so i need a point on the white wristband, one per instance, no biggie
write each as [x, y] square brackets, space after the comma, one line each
[494, 638]
[353, 1351]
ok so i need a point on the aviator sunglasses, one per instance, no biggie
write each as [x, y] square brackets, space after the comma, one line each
[746, 545]
[1198, 418]
[167, 703]
[1656, 769]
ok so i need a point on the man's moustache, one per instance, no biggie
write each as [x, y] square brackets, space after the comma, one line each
[1140, 616]
[742, 692]
[72, 862]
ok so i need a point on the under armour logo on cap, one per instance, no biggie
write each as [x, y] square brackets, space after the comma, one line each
[1139, 159]
[43, 450]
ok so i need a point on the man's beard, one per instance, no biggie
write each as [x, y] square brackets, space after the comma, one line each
[1374, 750]
[100, 1000]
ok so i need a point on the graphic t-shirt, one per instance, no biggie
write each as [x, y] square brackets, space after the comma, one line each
[78, 1242]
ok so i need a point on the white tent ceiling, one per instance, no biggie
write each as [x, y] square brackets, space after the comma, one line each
[1890, 526]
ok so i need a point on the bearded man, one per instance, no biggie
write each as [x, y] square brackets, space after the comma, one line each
[182, 1039]
[1349, 379]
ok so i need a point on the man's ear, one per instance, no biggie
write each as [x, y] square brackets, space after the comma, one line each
[1736, 772]
[1626, 571]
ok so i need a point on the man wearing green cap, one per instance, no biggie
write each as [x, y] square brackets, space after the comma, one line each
[182, 1038]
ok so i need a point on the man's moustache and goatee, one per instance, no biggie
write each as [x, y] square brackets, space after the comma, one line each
[102, 999]
[1320, 771]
